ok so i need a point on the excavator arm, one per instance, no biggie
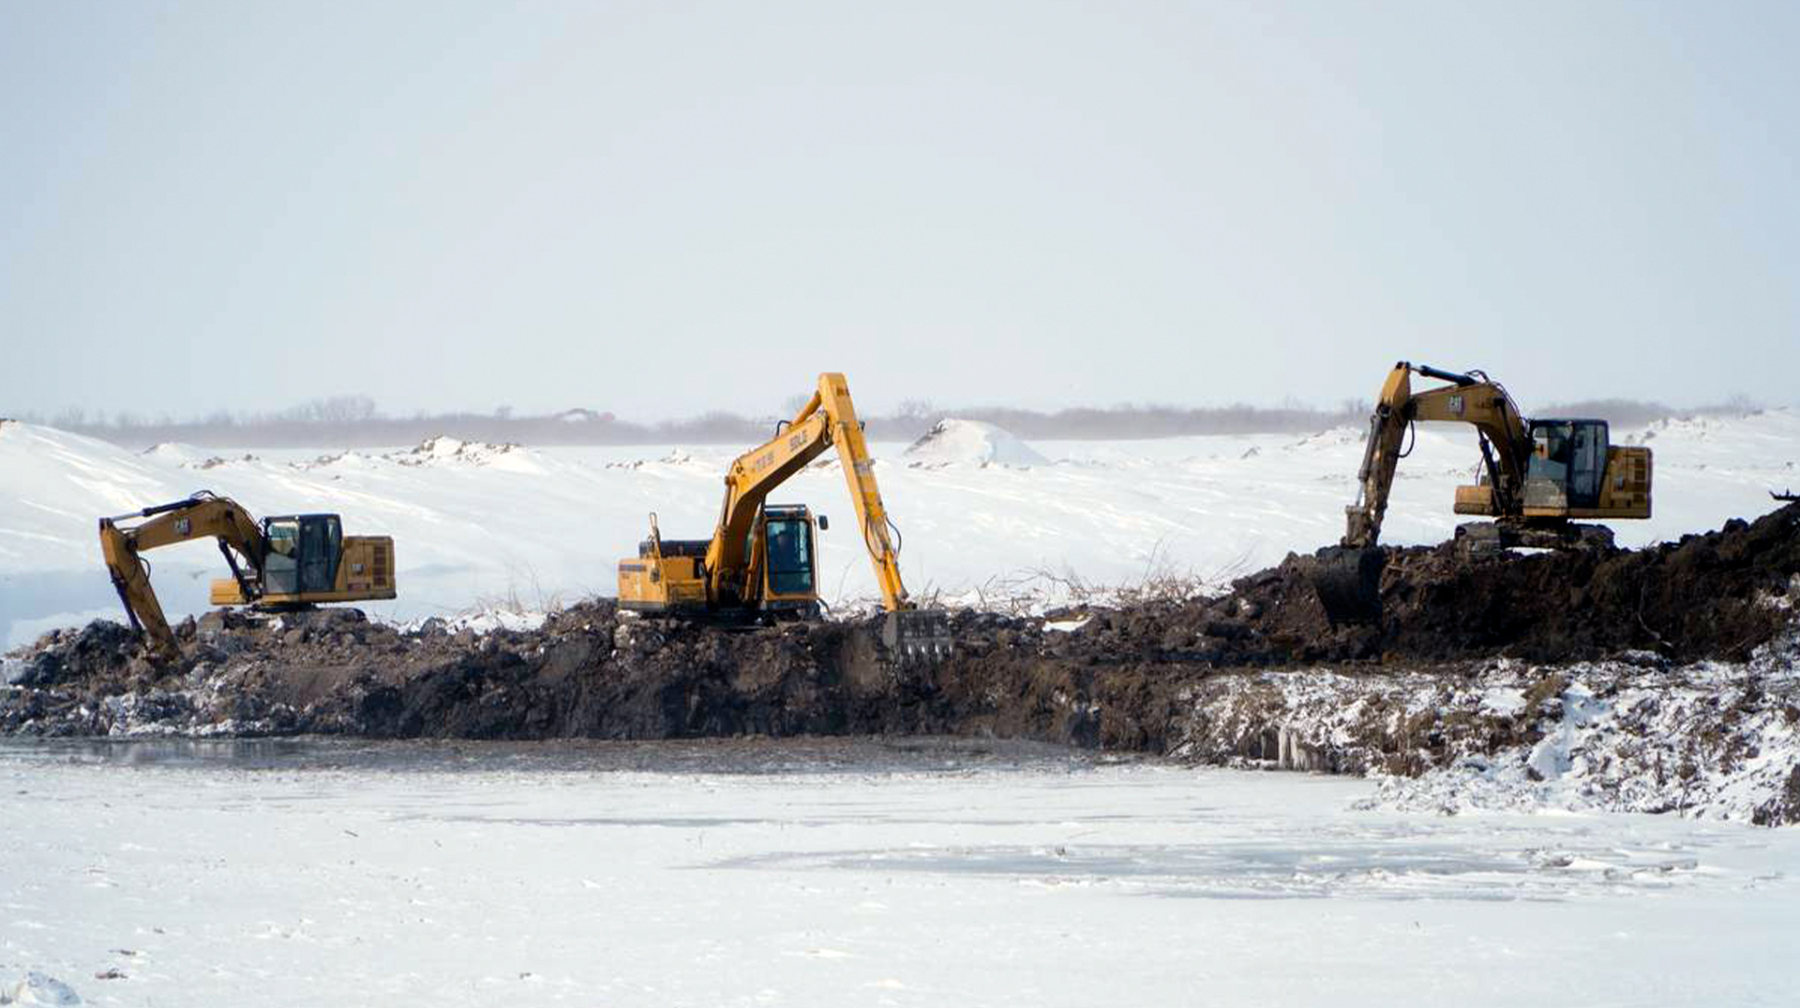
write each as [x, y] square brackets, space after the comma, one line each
[827, 419]
[198, 517]
[1470, 398]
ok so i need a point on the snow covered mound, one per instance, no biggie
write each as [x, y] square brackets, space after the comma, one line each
[1706, 740]
[187, 456]
[971, 442]
[51, 478]
[1336, 437]
[1715, 740]
[40, 989]
[1706, 428]
[176, 453]
[439, 450]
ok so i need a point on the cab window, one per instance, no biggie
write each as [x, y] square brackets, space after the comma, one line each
[790, 562]
[1551, 448]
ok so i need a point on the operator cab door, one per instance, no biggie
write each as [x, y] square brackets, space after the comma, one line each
[1587, 474]
[321, 543]
[788, 547]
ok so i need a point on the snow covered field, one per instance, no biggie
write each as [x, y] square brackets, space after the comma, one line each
[844, 873]
[983, 515]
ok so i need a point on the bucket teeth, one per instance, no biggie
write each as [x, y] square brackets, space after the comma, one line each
[917, 635]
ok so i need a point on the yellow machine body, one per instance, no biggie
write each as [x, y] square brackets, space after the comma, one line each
[1624, 492]
[365, 573]
[670, 576]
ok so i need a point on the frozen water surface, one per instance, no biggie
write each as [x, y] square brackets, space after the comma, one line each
[933, 872]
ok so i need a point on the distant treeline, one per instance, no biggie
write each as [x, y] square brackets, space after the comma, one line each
[1636, 413]
[356, 422]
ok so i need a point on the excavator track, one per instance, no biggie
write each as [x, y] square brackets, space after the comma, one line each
[1481, 538]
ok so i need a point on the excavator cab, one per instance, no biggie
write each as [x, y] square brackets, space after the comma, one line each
[1575, 472]
[307, 559]
[303, 553]
[786, 558]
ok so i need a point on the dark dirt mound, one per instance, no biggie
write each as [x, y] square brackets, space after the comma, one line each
[1715, 595]
[1121, 680]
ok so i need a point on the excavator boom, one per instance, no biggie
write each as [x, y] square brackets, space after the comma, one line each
[1470, 398]
[828, 418]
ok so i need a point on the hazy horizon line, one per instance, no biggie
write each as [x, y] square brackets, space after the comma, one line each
[356, 421]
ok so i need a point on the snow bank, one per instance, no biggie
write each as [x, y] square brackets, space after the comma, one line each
[176, 453]
[971, 442]
[1713, 740]
[187, 456]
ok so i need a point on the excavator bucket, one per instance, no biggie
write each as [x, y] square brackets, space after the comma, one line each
[1348, 582]
[916, 635]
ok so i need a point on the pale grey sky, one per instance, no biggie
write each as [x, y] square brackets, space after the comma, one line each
[663, 208]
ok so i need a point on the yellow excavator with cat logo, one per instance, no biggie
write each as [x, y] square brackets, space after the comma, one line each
[1538, 476]
[287, 562]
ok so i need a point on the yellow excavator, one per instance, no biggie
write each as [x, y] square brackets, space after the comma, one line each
[1537, 476]
[280, 563]
[760, 564]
